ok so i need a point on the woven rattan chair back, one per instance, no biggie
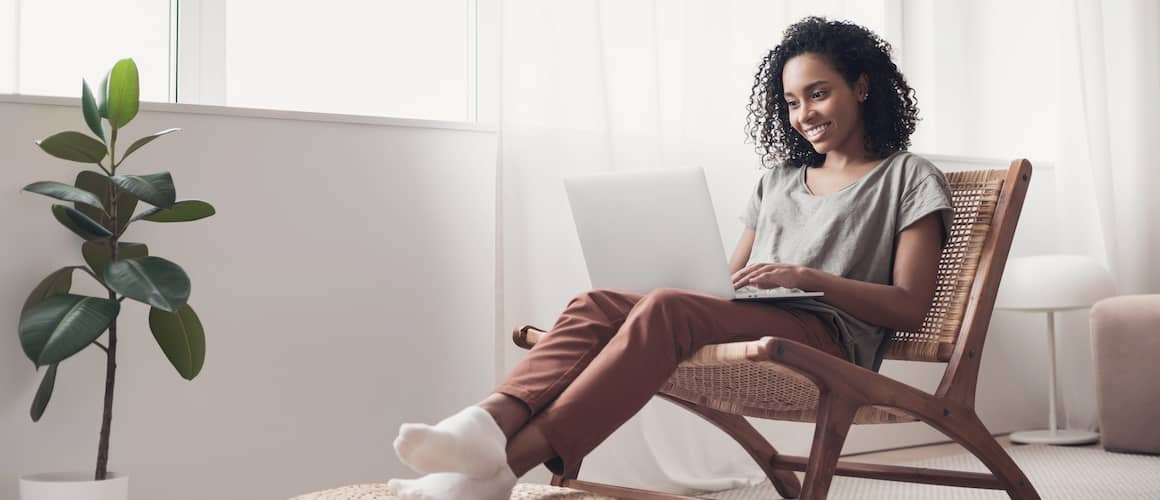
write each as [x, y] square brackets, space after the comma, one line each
[975, 195]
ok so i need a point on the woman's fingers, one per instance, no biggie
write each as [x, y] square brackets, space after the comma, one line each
[755, 274]
[741, 278]
[766, 280]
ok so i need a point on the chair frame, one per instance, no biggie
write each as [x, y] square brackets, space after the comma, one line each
[844, 388]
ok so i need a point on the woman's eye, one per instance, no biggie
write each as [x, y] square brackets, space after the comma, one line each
[819, 94]
[791, 104]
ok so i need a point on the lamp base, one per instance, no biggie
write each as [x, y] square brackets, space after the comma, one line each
[1059, 436]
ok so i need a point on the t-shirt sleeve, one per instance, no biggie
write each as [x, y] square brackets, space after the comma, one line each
[931, 194]
[753, 206]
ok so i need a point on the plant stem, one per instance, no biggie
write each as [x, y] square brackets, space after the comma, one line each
[107, 416]
[111, 350]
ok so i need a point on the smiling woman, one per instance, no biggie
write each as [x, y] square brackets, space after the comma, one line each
[871, 247]
[839, 63]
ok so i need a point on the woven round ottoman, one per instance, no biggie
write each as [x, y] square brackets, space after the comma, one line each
[523, 491]
[1126, 347]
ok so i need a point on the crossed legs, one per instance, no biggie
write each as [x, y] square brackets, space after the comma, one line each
[607, 355]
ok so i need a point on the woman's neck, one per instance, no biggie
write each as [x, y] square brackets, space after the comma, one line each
[839, 160]
[850, 154]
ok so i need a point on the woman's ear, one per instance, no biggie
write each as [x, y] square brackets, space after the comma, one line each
[862, 87]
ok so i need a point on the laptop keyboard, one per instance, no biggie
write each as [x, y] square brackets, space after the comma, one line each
[752, 290]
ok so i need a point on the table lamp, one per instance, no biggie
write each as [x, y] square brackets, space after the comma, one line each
[1048, 284]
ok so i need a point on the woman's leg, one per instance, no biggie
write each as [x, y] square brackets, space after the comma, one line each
[663, 329]
[472, 441]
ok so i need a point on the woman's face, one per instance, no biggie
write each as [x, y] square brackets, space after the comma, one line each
[823, 108]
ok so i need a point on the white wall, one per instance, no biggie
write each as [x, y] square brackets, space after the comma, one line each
[347, 284]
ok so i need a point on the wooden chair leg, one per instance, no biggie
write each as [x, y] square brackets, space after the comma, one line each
[835, 415]
[570, 472]
[974, 436]
[784, 480]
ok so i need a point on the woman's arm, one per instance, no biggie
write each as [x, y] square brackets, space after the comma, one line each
[901, 306]
[741, 252]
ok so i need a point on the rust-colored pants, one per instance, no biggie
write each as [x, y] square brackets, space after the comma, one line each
[610, 352]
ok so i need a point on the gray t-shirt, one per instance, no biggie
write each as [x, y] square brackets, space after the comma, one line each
[850, 232]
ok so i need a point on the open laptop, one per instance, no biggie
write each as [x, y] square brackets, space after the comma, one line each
[651, 229]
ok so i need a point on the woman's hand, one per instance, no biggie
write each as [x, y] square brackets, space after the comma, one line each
[773, 275]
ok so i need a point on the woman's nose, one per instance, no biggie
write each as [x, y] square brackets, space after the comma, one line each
[808, 112]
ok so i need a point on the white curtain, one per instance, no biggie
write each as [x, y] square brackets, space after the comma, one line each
[629, 84]
[1110, 142]
[1072, 85]
[608, 85]
[1106, 173]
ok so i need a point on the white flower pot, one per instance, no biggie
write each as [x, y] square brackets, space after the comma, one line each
[73, 486]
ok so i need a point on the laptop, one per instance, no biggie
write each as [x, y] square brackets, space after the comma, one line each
[650, 229]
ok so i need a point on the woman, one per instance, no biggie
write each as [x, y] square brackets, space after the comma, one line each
[843, 210]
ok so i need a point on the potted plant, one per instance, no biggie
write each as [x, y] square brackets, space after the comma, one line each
[99, 208]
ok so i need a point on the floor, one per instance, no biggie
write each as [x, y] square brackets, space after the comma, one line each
[1057, 472]
[911, 454]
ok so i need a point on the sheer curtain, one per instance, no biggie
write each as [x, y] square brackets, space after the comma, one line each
[1106, 174]
[596, 86]
[592, 86]
[1109, 145]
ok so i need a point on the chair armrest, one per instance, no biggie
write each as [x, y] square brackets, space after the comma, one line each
[859, 384]
[527, 336]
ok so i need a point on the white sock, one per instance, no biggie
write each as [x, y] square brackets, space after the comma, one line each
[454, 486]
[468, 442]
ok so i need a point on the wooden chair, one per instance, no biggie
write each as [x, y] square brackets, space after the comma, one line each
[785, 380]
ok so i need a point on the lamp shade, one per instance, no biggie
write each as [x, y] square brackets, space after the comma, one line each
[1053, 283]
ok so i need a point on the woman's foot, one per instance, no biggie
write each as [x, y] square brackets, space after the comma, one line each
[469, 443]
[454, 486]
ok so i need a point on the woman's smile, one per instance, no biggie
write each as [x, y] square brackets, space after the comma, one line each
[822, 106]
[815, 133]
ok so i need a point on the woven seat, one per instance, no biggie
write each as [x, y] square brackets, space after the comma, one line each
[781, 379]
[760, 389]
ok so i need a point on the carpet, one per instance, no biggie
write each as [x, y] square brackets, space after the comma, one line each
[1058, 473]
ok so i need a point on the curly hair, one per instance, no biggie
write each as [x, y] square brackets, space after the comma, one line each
[889, 114]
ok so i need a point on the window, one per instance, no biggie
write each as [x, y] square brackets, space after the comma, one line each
[367, 57]
[48, 53]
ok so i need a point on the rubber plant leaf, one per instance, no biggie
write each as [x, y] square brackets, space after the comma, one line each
[59, 282]
[43, 393]
[74, 146]
[154, 189]
[97, 254]
[151, 280]
[181, 338]
[124, 93]
[79, 223]
[101, 187]
[182, 211]
[65, 192]
[62, 325]
[146, 140]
